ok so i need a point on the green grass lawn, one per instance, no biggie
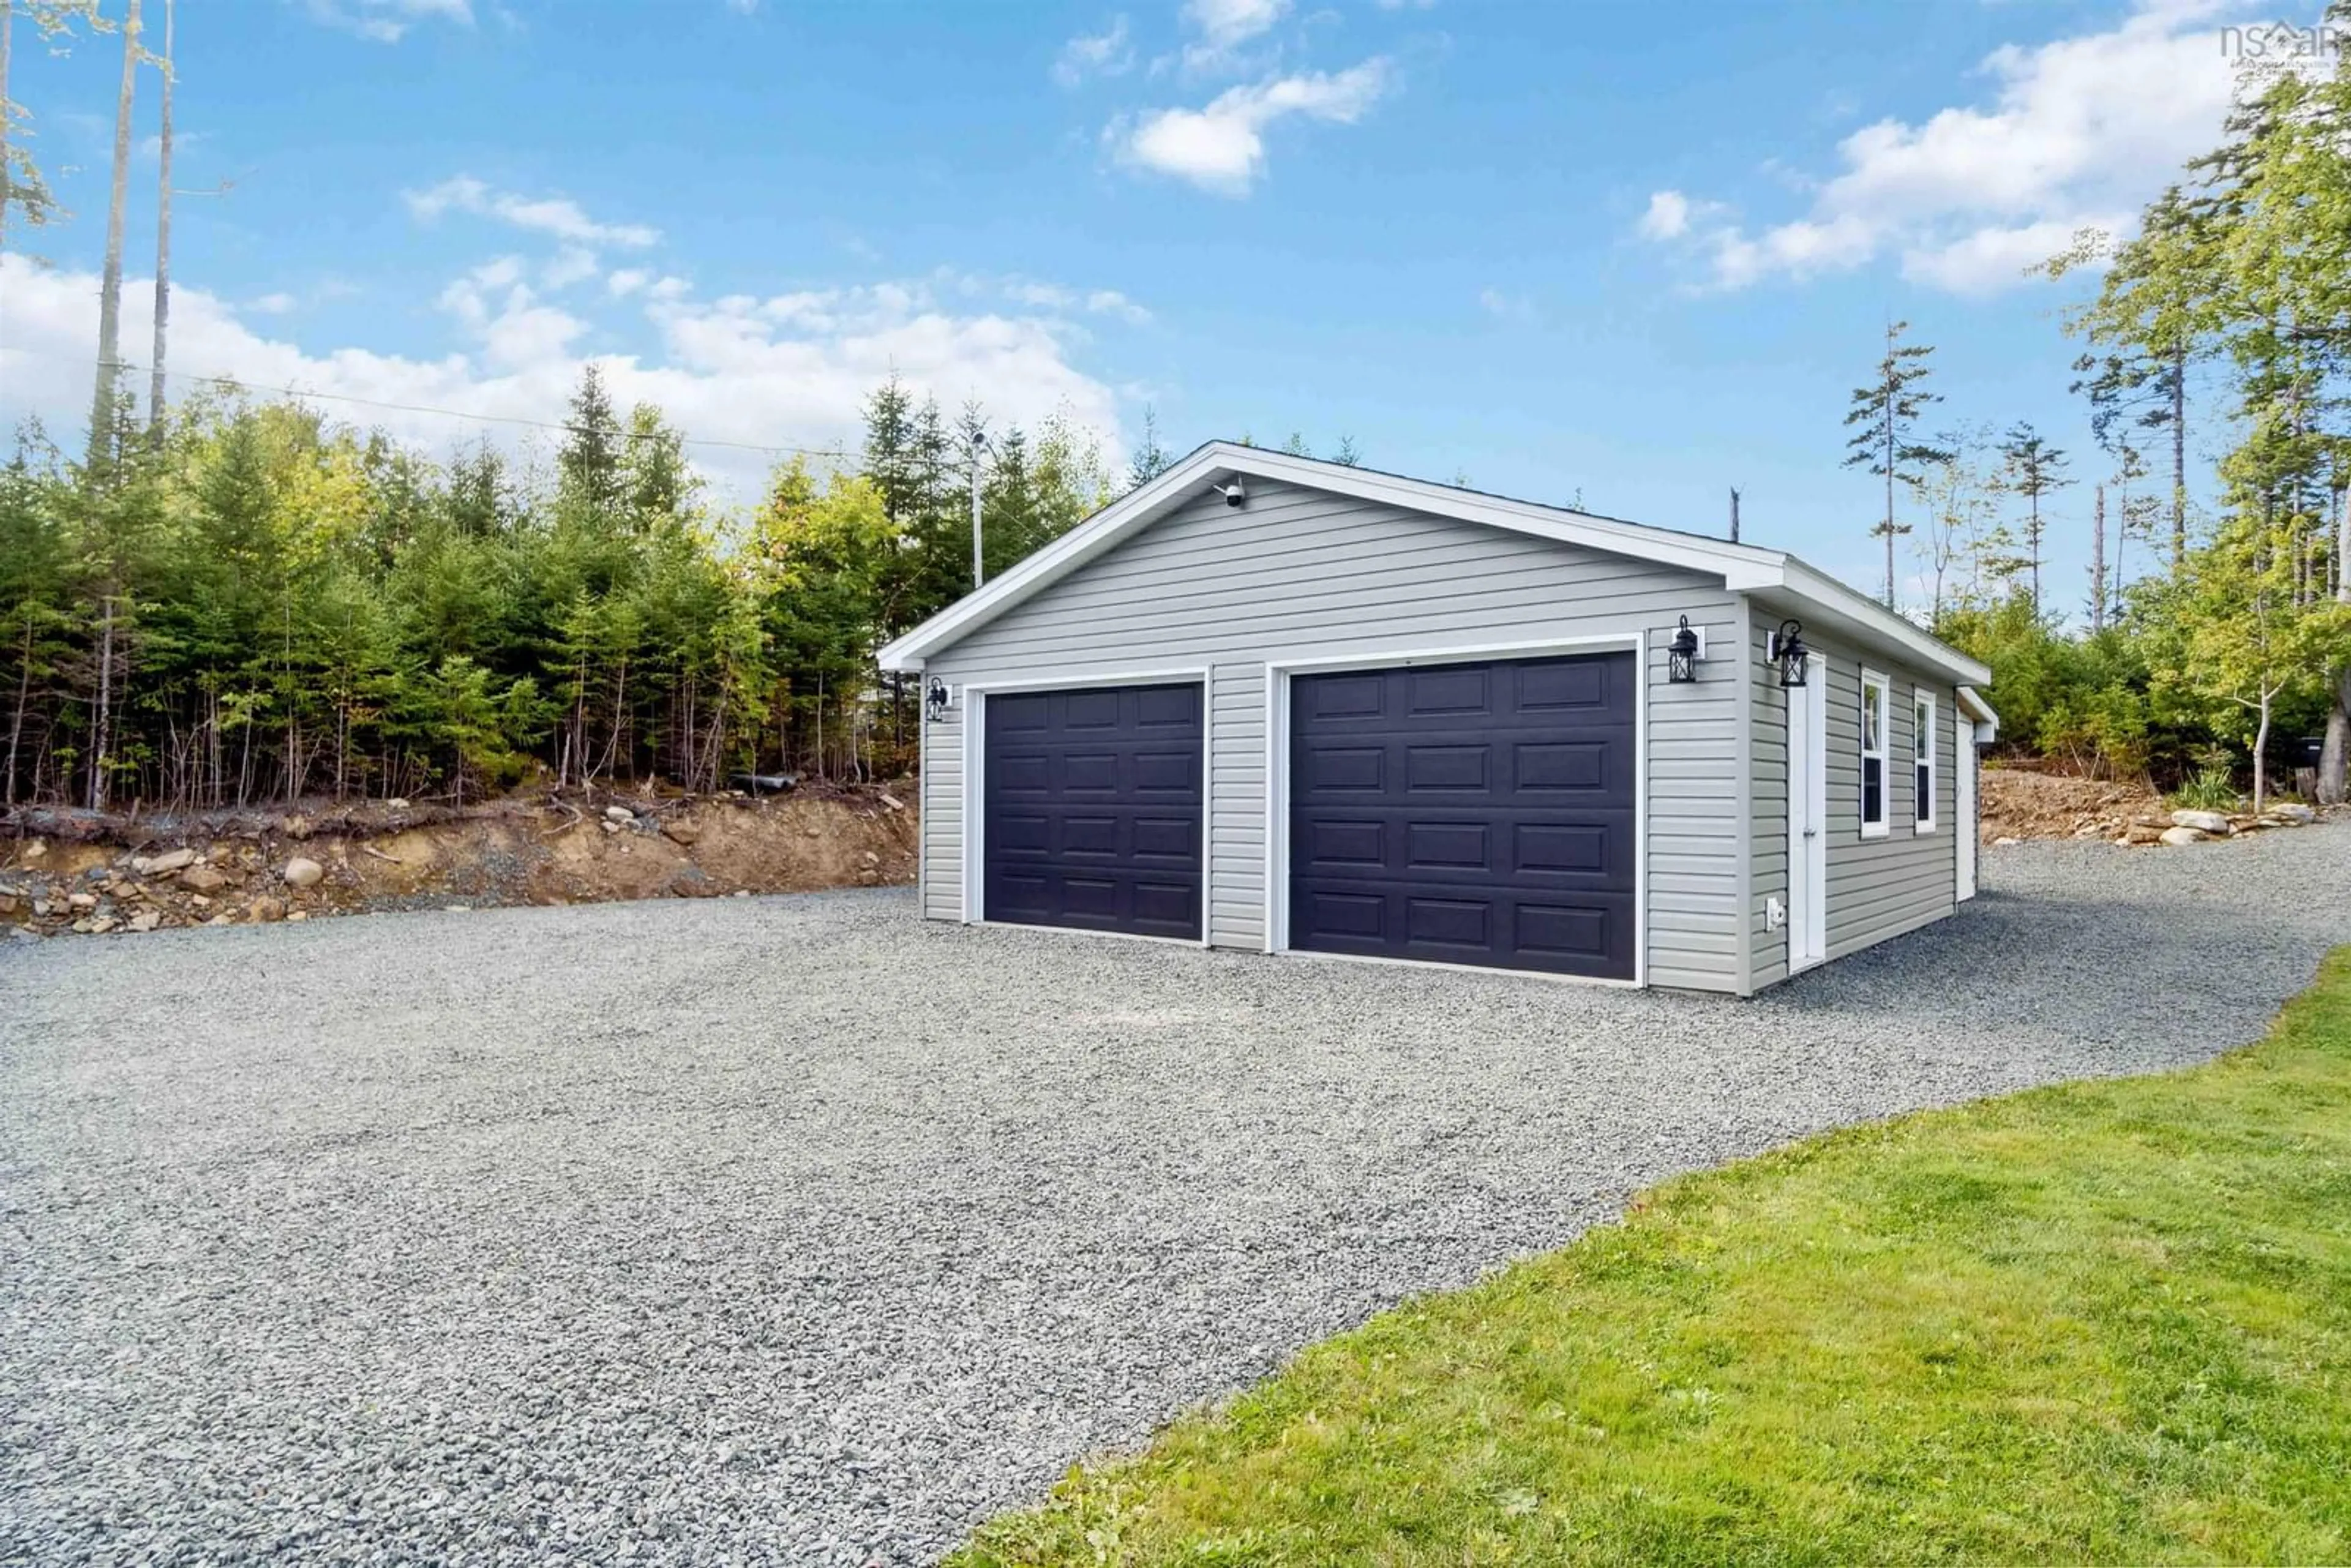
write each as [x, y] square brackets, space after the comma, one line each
[2107, 1322]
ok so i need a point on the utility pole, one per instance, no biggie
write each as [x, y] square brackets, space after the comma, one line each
[978, 567]
[1734, 514]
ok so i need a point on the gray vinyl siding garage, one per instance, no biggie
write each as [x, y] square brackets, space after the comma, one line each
[1877, 888]
[1301, 574]
[1327, 569]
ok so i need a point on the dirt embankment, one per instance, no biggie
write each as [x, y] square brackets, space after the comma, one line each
[2021, 803]
[73, 873]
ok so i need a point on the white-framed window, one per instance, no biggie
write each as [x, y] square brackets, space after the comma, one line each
[1876, 704]
[1922, 761]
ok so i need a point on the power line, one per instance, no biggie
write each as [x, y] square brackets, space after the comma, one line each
[243, 385]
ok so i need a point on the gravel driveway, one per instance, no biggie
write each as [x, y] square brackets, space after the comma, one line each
[795, 1230]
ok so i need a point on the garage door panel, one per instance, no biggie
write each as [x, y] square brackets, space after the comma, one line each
[1167, 773]
[1580, 685]
[1477, 813]
[1167, 840]
[1454, 767]
[1449, 846]
[1569, 764]
[1090, 710]
[1463, 923]
[1449, 689]
[1338, 843]
[1022, 772]
[1325, 769]
[1093, 799]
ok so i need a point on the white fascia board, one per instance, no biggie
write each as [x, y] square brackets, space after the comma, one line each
[1971, 703]
[1810, 591]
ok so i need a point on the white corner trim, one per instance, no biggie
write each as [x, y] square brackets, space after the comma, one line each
[975, 764]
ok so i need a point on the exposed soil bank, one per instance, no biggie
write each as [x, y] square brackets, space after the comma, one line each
[71, 872]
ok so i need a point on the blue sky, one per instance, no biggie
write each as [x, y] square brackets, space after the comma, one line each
[1635, 255]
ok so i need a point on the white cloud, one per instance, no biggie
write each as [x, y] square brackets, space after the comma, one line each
[573, 263]
[387, 21]
[1087, 56]
[1668, 216]
[1221, 148]
[279, 304]
[2078, 130]
[626, 280]
[1224, 23]
[557, 216]
[779, 372]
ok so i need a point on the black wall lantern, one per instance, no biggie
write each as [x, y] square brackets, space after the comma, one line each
[935, 699]
[1681, 655]
[1788, 648]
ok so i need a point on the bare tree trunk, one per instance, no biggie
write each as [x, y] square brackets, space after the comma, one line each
[163, 245]
[24, 670]
[109, 296]
[2178, 459]
[7, 183]
[2261, 754]
[103, 734]
[2335, 754]
[2098, 563]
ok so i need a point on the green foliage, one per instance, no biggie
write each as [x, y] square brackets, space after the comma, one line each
[2086, 699]
[2100, 1323]
[2209, 789]
[267, 604]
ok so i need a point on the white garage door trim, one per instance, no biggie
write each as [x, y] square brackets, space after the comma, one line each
[1278, 673]
[974, 799]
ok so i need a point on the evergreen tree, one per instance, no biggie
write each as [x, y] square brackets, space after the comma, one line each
[1883, 415]
[2031, 468]
[1150, 459]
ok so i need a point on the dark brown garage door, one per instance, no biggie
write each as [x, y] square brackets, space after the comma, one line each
[1466, 813]
[1092, 802]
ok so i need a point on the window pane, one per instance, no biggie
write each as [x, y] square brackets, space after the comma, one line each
[1922, 737]
[1873, 789]
[1873, 719]
[1925, 786]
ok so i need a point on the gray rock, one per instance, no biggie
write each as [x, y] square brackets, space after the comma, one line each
[2294, 812]
[2184, 834]
[618, 814]
[204, 879]
[301, 871]
[2213, 822]
[166, 864]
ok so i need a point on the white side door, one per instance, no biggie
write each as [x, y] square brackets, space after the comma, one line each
[1963, 738]
[1808, 815]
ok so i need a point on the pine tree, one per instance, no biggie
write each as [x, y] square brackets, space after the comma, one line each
[1150, 459]
[591, 457]
[2031, 468]
[1882, 417]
